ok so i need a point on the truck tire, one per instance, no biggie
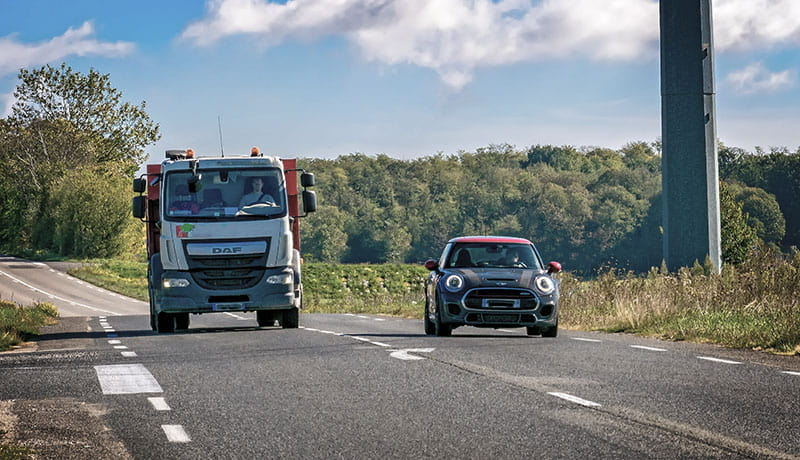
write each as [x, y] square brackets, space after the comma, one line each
[265, 318]
[291, 318]
[181, 320]
[165, 323]
[154, 271]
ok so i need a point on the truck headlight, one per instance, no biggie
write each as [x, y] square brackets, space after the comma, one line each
[454, 283]
[175, 283]
[545, 284]
[283, 278]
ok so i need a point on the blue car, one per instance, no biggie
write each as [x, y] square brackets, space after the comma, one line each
[491, 281]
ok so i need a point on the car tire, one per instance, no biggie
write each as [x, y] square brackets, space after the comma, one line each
[442, 329]
[533, 330]
[430, 327]
[551, 331]
[291, 318]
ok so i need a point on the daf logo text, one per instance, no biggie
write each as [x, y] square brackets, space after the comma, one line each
[235, 250]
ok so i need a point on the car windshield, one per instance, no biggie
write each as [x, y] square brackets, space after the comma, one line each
[229, 194]
[492, 255]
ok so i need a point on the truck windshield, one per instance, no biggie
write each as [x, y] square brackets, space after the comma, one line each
[225, 194]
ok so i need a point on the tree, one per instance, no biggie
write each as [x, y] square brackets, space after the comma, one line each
[762, 210]
[738, 239]
[324, 238]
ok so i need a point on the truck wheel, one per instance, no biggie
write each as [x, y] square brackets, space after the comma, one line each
[154, 271]
[181, 320]
[265, 318]
[291, 318]
[165, 323]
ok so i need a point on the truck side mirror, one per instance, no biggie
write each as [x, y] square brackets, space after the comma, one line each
[139, 185]
[139, 206]
[309, 201]
[307, 179]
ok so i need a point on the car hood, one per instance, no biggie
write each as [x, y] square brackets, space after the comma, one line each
[498, 277]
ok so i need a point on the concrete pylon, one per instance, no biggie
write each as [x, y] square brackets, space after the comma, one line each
[690, 175]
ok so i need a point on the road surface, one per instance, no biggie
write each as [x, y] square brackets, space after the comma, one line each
[359, 386]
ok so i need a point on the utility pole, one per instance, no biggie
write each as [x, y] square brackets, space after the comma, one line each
[690, 176]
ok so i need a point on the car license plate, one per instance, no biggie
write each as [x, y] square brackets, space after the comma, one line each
[501, 318]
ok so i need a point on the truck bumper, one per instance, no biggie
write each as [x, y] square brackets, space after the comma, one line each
[193, 298]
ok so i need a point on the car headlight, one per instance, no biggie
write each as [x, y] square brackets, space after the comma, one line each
[545, 284]
[175, 283]
[283, 278]
[454, 283]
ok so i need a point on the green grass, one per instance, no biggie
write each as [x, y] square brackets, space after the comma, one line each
[745, 307]
[18, 322]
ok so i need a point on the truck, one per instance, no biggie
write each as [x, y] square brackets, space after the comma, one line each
[223, 235]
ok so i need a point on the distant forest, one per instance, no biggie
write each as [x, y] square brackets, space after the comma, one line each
[587, 208]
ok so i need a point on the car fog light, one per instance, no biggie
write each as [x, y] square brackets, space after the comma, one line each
[175, 283]
[283, 278]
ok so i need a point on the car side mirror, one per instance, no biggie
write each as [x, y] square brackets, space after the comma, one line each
[553, 267]
[139, 206]
[431, 265]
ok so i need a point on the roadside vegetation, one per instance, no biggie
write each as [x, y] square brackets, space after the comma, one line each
[13, 451]
[755, 306]
[18, 322]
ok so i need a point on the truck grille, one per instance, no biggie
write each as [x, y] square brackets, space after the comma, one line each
[227, 272]
[501, 298]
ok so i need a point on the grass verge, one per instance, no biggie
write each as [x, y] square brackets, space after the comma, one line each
[18, 322]
[755, 306]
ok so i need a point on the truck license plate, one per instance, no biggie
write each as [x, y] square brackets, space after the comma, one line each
[233, 306]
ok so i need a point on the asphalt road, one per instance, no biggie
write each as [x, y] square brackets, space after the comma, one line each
[348, 386]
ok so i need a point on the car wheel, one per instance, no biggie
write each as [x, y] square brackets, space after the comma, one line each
[551, 331]
[533, 330]
[430, 328]
[442, 329]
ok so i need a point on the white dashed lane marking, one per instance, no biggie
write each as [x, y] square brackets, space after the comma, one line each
[718, 360]
[129, 354]
[791, 373]
[642, 347]
[175, 433]
[574, 399]
[581, 339]
[119, 379]
[159, 404]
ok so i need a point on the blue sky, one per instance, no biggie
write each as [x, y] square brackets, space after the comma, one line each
[407, 78]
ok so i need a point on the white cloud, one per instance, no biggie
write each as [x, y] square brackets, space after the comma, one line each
[751, 24]
[756, 78]
[455, 37]
[7, 101]
[15, 55]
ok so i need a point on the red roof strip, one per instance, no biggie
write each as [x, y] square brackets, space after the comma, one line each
[489, 239]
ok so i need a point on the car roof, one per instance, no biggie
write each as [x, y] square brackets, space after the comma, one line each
[489, 239]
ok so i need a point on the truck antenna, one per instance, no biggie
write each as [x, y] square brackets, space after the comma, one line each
[219, 124]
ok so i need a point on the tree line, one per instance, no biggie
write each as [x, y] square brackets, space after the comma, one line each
[71, 145]
[587, 207]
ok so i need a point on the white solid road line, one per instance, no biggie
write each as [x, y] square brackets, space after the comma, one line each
[574, 399]
[791, 373]
[117, 379]
[718, 360]
[175, 433]
[642, 347]
[159, 404]
[586, 340]
[16, 280]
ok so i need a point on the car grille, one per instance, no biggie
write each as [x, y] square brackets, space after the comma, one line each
[501, 298]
